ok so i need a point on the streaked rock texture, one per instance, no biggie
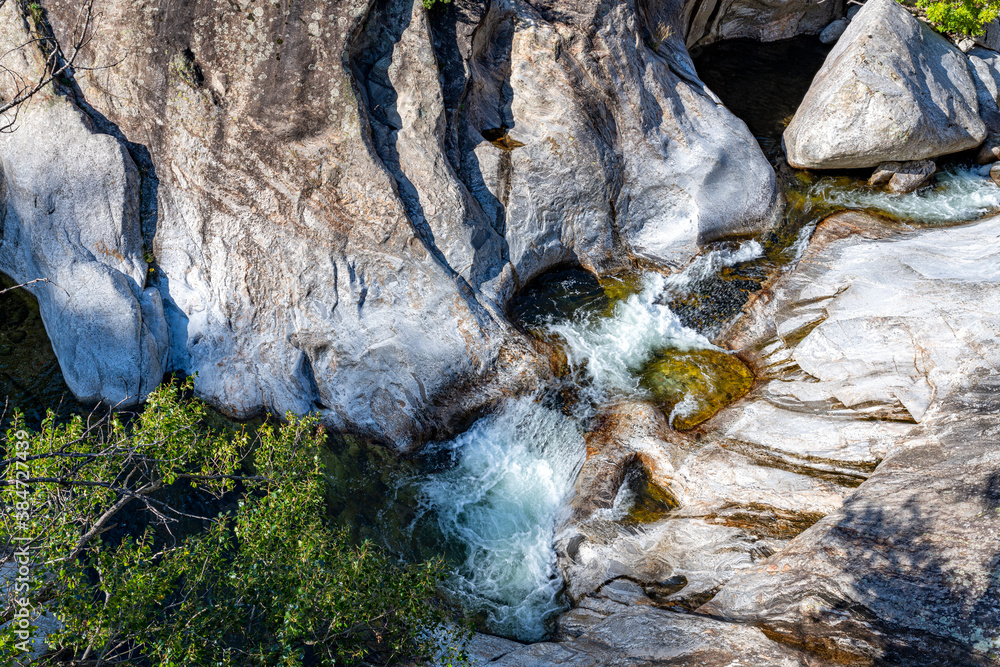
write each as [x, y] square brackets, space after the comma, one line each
[645, 636]
[70, 215]
[892, 89]
[762, 20]
[849, 506]
[902, 329]
[340, 198]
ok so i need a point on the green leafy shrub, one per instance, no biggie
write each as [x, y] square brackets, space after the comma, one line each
[139, 577]
[967, 17]
[429, 4]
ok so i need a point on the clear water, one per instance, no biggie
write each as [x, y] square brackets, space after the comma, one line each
[959, 194]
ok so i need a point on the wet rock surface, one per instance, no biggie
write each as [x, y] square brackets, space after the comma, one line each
[892, 89]
[906, 570]
[645, 636]
[846, 507]
[901, 178]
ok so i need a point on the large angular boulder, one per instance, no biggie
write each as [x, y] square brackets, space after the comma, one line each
[892, 89]
[70, 215]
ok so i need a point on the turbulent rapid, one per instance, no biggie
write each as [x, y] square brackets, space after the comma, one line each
[501, 486]
[510, 476]
[960, 194]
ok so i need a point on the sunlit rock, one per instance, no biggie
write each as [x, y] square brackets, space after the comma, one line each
[892, 89]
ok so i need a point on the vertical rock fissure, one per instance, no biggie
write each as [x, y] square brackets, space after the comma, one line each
[371, 57]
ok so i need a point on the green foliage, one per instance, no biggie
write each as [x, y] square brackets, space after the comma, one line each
[35, 11]
[967, 17]
[265, 582]
[429, 4]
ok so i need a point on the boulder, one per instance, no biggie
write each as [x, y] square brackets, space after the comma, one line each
[70, 215]
[995, 174]
[892, 89]
[646, 636]
[985, 69]
[832, 32]
[989, 152]
[990, 39]
[903, 177]
[883, 173]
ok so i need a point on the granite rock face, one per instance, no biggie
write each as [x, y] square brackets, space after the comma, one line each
[340, 198]
[70, 215]
[646, 636]
[762, 20]
[847, 507]
[902, 328]
[892, 89]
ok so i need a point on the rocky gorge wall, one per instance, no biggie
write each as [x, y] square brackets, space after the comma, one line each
[337, 200]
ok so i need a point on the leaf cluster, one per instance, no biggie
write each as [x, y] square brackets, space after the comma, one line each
[266, 581]
[965, 17]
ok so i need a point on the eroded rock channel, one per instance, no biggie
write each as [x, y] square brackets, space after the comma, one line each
[656, 395]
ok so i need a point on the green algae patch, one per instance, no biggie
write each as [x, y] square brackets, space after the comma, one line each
[693, 385]
[618, 288]
[652, 502]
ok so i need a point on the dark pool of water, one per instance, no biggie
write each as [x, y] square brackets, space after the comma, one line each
[762, 83]
[30, 378]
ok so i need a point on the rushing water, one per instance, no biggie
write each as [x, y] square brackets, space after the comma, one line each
[494, 500]
[960, 193]
[510, 476]
[491, 498]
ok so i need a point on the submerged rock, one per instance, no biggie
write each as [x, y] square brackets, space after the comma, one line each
[892, 89]
[693, 385]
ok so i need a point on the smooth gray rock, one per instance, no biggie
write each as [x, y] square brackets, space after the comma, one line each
[483, 649]
[892, 89]
[646, 636]
[832, 32]
[70, 214]
[985, 70]
[883, 173]
[906, 571]
[340, 198]
[990, 39]
[903, 177]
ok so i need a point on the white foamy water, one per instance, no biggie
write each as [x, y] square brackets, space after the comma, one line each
[511, 474]
[499, 502]
[614, 348]
[960, 194]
